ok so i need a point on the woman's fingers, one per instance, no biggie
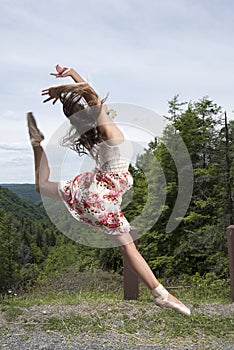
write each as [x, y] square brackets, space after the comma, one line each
[51, 91]
[60, 71]
[48, 91]
[58, 75]
[45, 91]
[48, 99]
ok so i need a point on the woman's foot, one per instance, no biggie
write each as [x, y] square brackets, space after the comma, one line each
[35, 134]
[164, 299]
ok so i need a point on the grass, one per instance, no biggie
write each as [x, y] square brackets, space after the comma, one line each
[11, 312]
[135, 318]
[104, 310]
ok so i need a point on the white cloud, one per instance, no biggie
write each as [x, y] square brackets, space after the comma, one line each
[9, 115]
[14, 147]
[142, 52]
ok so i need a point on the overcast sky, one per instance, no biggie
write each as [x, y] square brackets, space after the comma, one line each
[141, 52]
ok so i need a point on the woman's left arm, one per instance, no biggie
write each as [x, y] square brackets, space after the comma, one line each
[90, 95]
[63, 72]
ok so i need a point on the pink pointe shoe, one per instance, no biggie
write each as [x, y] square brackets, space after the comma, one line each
[162, 299]
[35, 134]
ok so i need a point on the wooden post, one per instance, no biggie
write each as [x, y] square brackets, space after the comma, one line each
[229, 208]
[131, 286]
[230, 240]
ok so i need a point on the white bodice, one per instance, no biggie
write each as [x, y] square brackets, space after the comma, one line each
[111, 159]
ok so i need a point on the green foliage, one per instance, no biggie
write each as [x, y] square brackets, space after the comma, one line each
[110, 259]
[25, 191]
[198, 244]
[24, 241]
[9, 247]
[206, 287]
[59, 258]
[32, 249]
[19, 207]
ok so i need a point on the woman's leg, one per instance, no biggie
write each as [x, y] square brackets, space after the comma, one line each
[140, 267]
[43, 185]
[42, 171]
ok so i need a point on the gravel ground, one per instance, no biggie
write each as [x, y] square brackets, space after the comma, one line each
[15, 336]
[20, 340]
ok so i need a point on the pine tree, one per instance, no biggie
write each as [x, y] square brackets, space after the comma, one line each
[9, 252]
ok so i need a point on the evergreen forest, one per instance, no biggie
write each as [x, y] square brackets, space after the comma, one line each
[32, 249]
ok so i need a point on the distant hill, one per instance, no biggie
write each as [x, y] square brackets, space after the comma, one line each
[27, 191]
[18, 206]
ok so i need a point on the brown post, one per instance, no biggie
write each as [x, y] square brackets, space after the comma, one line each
[230, 240]
[131, 286]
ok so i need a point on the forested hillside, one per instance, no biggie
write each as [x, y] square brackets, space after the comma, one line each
[18, 206]
[27, 191]
[32, 249]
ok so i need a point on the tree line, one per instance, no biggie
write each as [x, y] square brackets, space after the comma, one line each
[31, 248]
[198, 244]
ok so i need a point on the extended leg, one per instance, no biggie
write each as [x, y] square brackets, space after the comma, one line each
[42, 171]
[43, 185]
[140, 267]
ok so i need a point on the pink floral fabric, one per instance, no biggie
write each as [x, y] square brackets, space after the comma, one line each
[95, 198]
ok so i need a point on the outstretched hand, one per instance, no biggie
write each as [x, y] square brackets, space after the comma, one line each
[62, 72]
[53, 95]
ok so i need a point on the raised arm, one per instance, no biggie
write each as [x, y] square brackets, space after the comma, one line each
[62, 72]
[72, 94]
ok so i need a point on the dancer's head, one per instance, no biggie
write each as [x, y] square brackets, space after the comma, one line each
[84, 131]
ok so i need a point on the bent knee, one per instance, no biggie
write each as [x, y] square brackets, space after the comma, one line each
[48, 189]
[41, 187]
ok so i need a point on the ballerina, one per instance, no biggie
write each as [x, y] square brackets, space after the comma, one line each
[95, 197]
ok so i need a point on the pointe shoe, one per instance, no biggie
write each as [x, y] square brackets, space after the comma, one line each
[162, 299]
[35, 134]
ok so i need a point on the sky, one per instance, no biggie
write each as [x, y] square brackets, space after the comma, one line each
[141, 52]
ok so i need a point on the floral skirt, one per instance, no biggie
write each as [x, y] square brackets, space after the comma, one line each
[95, 198]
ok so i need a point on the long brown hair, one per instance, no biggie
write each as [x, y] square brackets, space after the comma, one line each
[84, 132]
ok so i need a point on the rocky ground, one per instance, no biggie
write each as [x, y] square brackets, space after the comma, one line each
[29, 331]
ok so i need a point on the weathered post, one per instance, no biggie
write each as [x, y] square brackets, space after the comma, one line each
[230, 240]
[131, 285]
